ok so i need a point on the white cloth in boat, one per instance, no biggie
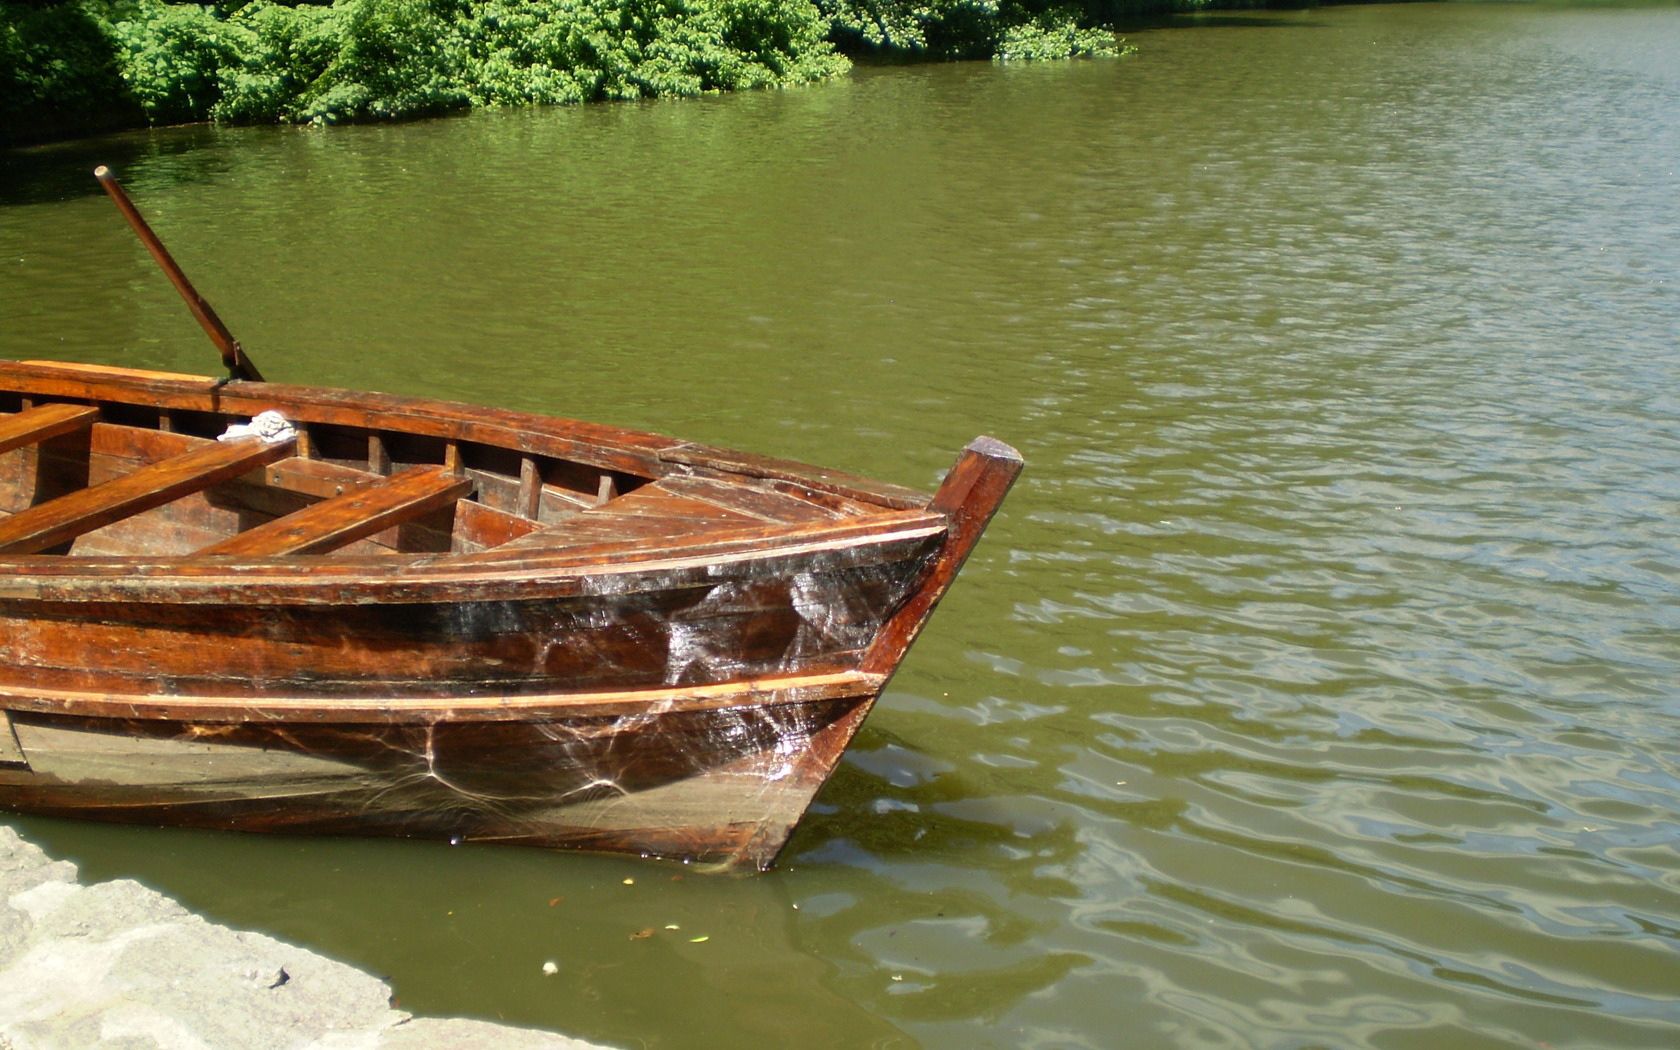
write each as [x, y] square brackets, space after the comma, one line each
[271, 426]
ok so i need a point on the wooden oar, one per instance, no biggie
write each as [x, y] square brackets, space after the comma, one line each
[233, 355]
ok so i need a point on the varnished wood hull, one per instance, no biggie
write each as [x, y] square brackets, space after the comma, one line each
[721, 775]
[675, 672]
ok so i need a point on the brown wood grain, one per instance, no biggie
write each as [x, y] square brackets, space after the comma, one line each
[716, 783]
[11, 753]
[969, 497]
[34, 425]
[479, 528]
[769, 690]
[48, 524]
[342, 520]
[696, 628]
[752, 499]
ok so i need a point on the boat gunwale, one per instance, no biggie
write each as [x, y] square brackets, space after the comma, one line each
[900, 514]
[528, 433]
[374, 579]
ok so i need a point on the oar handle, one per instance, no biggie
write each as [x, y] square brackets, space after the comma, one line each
[233, 355]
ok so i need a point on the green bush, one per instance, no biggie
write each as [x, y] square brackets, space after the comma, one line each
[58, 73]
[285, 51]
[1054, 36]
[171, 57]
[76, 65]
[580, 50]
[1003, 29]
[394, 59]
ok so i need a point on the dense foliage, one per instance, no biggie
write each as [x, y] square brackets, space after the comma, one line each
[1004, 29]
[71, 65]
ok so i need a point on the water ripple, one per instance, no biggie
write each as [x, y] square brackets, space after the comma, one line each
[1317, 686]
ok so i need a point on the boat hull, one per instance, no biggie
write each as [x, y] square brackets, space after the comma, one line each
[717, 775]
[681, 710]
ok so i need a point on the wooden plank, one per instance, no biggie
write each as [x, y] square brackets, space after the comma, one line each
[345, 519]
[503, 493]
[46, 525]
[841, 506]
[695, 630]
[766, 691]
[514, 570]
[590, 529]
[529, 500]
[651, 512]
[729, 461]
[752, 498]
[11, 752]
[656, 501]
[138, 445]
[677, 506]
[604, 447]
[314, 477]
[479, 528]
[723, 785]
[35, 425]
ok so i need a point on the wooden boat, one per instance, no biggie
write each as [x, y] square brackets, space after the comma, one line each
[411, 617]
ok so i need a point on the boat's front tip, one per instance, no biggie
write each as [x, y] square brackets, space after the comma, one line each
[974, 488]
[992, 448]
[969, 497]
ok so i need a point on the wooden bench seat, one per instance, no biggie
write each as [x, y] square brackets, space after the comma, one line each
[35, 425]
[355, 515]
[46, 525]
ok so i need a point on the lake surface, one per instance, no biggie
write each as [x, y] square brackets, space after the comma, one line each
[1318, 686]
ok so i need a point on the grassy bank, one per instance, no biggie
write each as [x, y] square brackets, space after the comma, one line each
[70, 67]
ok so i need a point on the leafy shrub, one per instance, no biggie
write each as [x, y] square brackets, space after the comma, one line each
[170, 55]
[394, 60]
[579, 50]
[1055, 37]
[70, 65]
[58, 73]
[1004, 29]
[284, 51]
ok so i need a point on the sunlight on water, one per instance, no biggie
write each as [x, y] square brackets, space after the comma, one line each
[1317, 684]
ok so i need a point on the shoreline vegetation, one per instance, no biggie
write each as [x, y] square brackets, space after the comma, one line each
[77, 67]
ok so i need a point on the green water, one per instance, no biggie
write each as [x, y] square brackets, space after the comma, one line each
[1318, 684]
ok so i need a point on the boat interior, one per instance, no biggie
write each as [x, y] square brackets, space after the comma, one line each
[103, 462]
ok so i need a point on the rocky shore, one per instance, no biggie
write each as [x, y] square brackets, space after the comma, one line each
[117, 964]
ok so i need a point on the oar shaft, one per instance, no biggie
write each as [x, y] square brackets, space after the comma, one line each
[233, 355]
